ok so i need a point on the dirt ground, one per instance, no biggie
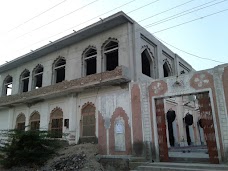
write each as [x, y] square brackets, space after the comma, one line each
[90, 164]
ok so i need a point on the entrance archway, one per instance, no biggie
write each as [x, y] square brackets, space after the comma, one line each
[187, 126]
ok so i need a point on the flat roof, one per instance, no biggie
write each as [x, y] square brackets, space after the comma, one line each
[91, 30]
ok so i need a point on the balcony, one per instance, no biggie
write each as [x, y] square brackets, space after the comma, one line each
[115, 77]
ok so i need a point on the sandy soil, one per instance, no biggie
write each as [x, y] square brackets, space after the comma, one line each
[90, 150]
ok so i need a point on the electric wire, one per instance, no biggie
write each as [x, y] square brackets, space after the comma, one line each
[142, 6]
[185, 13]
[186, 23]
[190, 21]
[189, 52]
[79, 24]
[165, 11]
[14, 28]
[56, 19]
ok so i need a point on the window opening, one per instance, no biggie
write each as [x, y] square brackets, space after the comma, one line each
[8, 85]
[182, 72]
[166, 70]
[111, 54]
[20, 123]
[57, 123]
[35, 121]
[59, 70]
[38, 77]
[146, 68]
[25, 81]
[90, 62]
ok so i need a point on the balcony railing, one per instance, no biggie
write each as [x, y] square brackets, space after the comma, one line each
[120, 75]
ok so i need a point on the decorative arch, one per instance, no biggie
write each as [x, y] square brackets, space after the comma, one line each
[89, 61]
[109, 40]
[59, 65]
[7, 85]
[120, 115]
[34, 120]
[167, 68]
[56, 122]
[25, 73]
[88, 121]
[147, 61]
[24, 80]
[37, 76]
[110, 54]
[20, 122]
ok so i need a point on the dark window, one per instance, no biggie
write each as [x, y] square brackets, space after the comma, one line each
[146, 69]
[25, 81]
[90, 62]
[182, 72]
[59, 70]
[38, 77]
[56, 122]
[8, 85]
[35, 121]
[166, 70]
[20, 122]
[56, 127]
[35, 125]
[111, 55]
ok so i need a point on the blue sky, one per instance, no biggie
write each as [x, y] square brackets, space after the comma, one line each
[22, 30]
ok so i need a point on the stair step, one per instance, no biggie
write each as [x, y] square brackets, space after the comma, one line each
[163, 166]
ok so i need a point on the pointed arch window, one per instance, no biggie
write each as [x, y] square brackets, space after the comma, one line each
[25, 81]
[90, 61]
[167, 69]
[59, 70]
[56, 123]
[38, 77]
[111, 55]
[20, 122]
[147, 63]
[7, 86]
[35, 121]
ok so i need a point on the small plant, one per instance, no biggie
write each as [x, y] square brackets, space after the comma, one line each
[138, 147]
[20, 148]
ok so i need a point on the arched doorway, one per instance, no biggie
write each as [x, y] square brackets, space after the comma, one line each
[88, 123]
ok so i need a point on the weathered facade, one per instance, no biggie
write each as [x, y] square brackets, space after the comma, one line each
[108, 81]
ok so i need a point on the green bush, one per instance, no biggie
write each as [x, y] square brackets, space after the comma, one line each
[20, 148]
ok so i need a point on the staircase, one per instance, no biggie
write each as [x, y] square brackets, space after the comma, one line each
[163, 166]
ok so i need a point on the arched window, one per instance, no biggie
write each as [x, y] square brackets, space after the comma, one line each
[167, 69]
[20, 122]
[56, 122]
[37, 76]
[111, 55]
[25, 80]
[35, 121]
[7, 86]
[90, 61]
[59, 70]
[147, 63]
[88, 121]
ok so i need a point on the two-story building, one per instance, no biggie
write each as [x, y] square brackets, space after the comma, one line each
[98, 83]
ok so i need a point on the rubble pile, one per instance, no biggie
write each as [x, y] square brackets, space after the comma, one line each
[72, 162]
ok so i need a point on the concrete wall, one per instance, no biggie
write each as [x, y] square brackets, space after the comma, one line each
[159, 51]
[73, 56]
